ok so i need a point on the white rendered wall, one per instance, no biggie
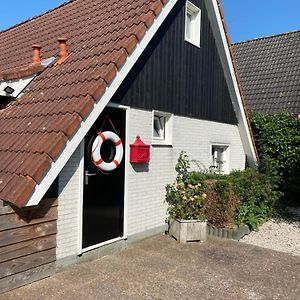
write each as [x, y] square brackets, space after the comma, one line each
[146, 187]
[68, 207]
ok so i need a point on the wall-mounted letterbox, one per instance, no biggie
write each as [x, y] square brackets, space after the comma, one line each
[139, 152]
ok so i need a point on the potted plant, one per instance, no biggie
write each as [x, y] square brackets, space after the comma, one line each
[185, 199]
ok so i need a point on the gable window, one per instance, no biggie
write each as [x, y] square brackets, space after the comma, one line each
[220, 159]
[162, 128]
[192, 23]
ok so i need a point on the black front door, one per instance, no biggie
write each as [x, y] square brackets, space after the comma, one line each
[103, 197]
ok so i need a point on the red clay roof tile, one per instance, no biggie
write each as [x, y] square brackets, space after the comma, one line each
[83, 105]
[156, 7]
[17, 189]
[37, 170]
[148, 18]
[4, 180]
[18, 73]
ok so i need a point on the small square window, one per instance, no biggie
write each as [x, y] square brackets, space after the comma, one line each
[192, 24]
[159, 124]
[220, 159]
[162, 128]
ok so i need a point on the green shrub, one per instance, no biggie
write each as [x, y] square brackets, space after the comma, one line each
[243, 197]
[220, 202]
[277, 139]
[258, 198]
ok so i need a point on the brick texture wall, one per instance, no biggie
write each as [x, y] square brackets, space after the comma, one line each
[146, 186]
[68, 207]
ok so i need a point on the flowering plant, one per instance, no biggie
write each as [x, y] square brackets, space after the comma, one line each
[185, 199]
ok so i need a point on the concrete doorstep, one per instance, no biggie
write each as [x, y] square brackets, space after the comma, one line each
[162, 268]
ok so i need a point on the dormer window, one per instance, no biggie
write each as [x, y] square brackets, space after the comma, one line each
[192, 23]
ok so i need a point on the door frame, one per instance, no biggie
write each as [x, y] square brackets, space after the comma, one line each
[81, 250]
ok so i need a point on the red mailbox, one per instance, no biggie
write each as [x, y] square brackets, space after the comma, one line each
[139, 152]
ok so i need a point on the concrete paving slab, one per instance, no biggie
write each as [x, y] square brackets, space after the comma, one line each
[161, 268]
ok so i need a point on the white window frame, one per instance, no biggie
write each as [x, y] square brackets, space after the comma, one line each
[195, 27]
[225, 166]
[166, 139]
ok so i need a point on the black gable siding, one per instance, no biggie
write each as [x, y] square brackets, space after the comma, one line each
[175, 76]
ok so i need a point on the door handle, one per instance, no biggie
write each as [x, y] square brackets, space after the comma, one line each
[87, 175]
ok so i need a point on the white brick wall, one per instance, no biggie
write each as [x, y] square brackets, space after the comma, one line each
[145, 185]
[68, 207]
[146, 189]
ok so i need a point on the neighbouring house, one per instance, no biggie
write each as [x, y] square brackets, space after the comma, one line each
[75, 180]
[269, 69]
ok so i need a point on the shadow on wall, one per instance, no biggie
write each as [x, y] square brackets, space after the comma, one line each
[38, 212]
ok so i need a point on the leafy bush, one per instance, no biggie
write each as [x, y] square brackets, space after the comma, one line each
[278, 142]
[243, 197]
[257, 194]
[220, 203]
[185, 199]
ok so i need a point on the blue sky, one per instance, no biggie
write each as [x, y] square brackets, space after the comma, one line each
[16, 11]
[246, 19]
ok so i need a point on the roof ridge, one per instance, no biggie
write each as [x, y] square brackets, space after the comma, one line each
[267, 37]
[66, 2]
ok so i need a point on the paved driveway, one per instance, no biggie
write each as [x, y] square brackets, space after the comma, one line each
[161, 268]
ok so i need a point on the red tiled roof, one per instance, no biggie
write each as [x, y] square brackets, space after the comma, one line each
[35, 128]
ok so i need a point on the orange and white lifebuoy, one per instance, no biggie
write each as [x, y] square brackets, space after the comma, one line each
[96, 155]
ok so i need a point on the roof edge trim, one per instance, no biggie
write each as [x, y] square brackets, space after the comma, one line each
[296, 31]
[223, 44]
[72, 144]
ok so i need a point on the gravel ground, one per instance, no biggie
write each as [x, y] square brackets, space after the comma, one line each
[280, 235]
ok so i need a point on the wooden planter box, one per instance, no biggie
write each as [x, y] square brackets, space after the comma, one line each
[188, 230]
